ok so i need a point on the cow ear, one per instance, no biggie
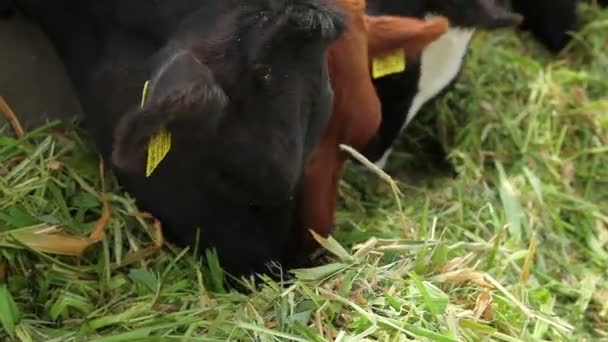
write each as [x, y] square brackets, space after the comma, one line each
[182, 93]
[494, 15]
[388, 33]
[179, 71]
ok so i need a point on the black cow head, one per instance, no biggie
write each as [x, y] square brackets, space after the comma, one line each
[245, 96]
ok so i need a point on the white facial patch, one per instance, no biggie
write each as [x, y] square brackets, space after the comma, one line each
[441, 62]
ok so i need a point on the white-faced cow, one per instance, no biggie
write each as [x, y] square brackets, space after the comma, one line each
[403, 94]
[7, 8]
[241, 87]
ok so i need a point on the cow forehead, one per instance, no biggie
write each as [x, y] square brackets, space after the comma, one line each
[296, 26]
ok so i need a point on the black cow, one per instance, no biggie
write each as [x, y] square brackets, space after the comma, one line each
[550, 21]
[241, 86]
[403, 94]
[7, 8]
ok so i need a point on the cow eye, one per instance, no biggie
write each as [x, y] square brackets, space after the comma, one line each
[264, 74]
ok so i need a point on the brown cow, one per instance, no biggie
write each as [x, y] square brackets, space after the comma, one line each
[356, 109]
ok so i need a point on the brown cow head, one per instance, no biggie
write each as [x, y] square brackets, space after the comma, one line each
[356, 110]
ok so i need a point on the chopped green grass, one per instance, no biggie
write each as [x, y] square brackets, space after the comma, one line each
[514, 247]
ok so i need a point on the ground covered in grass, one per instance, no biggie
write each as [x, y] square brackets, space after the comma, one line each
[511, 246]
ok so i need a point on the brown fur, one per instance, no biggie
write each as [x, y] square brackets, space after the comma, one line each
[356, 109]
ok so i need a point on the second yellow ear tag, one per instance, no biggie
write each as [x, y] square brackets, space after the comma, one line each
[388, 64]
[159, 146]
[160, 143]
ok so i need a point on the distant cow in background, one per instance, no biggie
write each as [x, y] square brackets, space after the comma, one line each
[32, 78]
[356, 110]
[550, 21]
[403, 94]
[242, 89]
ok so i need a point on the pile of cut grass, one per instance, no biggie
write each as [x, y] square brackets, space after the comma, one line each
[513, 247]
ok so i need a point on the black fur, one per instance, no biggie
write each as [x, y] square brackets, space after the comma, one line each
[482, 14]
[241, 85]
[7, 8]
[550, 21]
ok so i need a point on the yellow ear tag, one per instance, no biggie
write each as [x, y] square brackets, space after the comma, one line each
[388, 64]
[160, 143]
